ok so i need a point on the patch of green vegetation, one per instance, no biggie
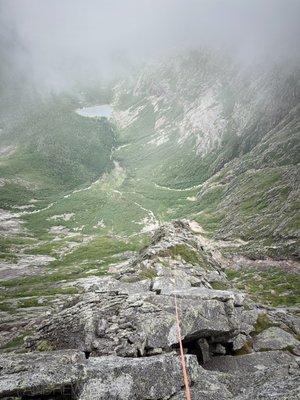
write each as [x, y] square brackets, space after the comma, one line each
[18, 341]
[42, 278]
[246, 349]
[48, 247]
[32, 302]
[12, 194]
[187, 170]
[141, 127]
[210, 221]
[59, 148]
[271, 285]
[96, 255]
[187, 253]
[4, 306]
[262, 323]
[44, 345]
[232, 273]
[147, 273]
[7, 241]
[255, 201]
[253, 205]
[38, 291]
[99, 249]
[9, 244]
[211, 198]
[248, 205]
[219, 285]
[8, 257]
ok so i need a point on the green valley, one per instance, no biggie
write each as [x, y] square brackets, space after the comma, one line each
[78, 193]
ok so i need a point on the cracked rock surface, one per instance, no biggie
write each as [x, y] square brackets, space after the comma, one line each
[117, 339]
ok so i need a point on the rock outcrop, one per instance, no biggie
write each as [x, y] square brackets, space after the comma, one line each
[274, 338]
[117, 339]
[128, 314]
[66, 374]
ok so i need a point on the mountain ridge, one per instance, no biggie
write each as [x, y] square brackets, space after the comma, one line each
[74, 219]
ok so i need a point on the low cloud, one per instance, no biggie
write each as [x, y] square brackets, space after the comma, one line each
[58, 43]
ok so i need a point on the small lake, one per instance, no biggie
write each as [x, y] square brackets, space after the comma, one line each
[103, 110]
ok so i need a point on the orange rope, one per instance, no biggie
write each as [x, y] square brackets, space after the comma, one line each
[182, 357]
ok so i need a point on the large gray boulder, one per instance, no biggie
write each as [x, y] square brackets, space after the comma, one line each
[104, 378]
[270, 375]
[274, 338]
[37, 373]
[152, 378]
[259, 376]
[249, 363]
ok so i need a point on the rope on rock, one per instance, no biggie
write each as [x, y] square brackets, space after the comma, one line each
[182, 357]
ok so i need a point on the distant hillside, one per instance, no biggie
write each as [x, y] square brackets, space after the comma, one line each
[202, 120]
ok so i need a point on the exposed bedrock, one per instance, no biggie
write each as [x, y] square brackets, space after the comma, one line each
[127, 314]
[141, 324]
[117, 338]
[66, 374]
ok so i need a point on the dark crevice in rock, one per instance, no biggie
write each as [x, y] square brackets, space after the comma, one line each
[87, 354]
[206, 348]
[197, 347]
[229, 348]
[194, 348]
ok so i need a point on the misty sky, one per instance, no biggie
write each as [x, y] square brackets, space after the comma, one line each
[57, 41]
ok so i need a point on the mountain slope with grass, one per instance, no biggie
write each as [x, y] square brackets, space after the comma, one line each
[197, 137]
[226, 135]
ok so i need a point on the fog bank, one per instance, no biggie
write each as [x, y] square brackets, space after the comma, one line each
[56, 43]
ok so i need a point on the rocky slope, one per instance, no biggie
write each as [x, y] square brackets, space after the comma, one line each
[200, 165]
[229, 131]
[197, 136]
[117, 338]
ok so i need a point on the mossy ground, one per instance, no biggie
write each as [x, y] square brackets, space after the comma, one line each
[262, 323]
[16, 342]
[272, 285]
[187, 253]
